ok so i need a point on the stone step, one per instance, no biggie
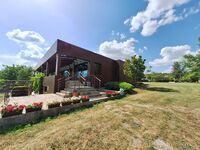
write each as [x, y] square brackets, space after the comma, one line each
[63, 95]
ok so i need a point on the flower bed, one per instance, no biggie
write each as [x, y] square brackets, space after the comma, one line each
[111, 93]
[12, 110]
[76, 100]
[67, 102]
[34, 107]
[53, 104]
[85, 98]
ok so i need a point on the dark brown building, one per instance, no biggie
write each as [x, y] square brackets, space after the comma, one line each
[66, 61]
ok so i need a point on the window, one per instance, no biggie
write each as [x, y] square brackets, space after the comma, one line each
[97, 69]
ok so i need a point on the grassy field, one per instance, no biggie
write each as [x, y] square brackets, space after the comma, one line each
[166, 111]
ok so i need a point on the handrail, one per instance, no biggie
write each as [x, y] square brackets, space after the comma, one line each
[97, 79]
[60, 82]
[10, 85]
[84, 81]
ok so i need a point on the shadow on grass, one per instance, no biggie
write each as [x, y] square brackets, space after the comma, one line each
[158, 89]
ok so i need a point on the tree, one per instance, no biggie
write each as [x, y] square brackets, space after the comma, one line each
[192, 63]
[178, 70]
[134, 68]
[16, 72]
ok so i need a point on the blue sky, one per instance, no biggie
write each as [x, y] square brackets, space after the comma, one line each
[161, 31]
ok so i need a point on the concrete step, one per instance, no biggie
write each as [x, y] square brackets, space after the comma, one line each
[63, 95]
[82, 92]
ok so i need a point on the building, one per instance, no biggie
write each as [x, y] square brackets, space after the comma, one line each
[65, 61]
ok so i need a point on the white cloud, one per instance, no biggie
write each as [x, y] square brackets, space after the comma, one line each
[191, 11]
[157, 13]
[25, 36]
[32, 48]
[141, 50]
[118, 50]
[118, 35]
[171, 54]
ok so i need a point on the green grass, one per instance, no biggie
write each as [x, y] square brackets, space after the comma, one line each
[169, 111]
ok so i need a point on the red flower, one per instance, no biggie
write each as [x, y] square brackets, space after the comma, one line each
[38, 104]
[21, 107]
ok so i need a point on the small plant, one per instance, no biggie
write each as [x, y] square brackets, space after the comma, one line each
[34, 107]
[75, 93]
[66, 102]
[76, 100]
[11, 110]
[111, 93]
[53, 104]
[37, 82]
[85, 98]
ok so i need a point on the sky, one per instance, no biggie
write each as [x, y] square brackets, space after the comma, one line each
[161, 31]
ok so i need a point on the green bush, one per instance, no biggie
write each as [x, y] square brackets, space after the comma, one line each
[117, 85]
[126, 86]
[112, 86]
[37, 82]
[2, 83]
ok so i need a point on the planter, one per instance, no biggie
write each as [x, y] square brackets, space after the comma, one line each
[12, 113]
[76, 101]
[75, 94]
[53, 105]
[65, 103]
[33, 109]
[85, 100]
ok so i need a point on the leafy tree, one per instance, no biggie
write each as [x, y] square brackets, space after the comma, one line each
[159, 77]
[37, 82]
[134, 68]
[178, 70]
[192, 63]
[16, 72]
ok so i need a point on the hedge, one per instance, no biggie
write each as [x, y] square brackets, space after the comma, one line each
[117, 85]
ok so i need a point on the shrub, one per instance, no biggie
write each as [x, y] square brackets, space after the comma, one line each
[37, 82]
[2, 83]
[117, 85]
[112, 86]
[126, 86]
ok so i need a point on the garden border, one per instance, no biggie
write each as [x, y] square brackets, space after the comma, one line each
[34, 117]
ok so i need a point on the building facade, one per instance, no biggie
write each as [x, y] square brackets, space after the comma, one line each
[64, 60]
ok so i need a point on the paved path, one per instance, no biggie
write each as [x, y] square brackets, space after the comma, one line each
[45, 98]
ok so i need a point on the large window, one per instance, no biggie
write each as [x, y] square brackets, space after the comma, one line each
[97, 69]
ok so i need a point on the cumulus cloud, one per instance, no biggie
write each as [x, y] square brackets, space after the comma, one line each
[118, 50]
[25, 36]
[171, 54]
[157, 13]
[32, 46]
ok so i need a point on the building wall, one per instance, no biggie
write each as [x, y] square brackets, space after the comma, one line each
[108, 66]
[50, 84]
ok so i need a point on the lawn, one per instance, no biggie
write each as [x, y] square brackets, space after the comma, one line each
[166, 111]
